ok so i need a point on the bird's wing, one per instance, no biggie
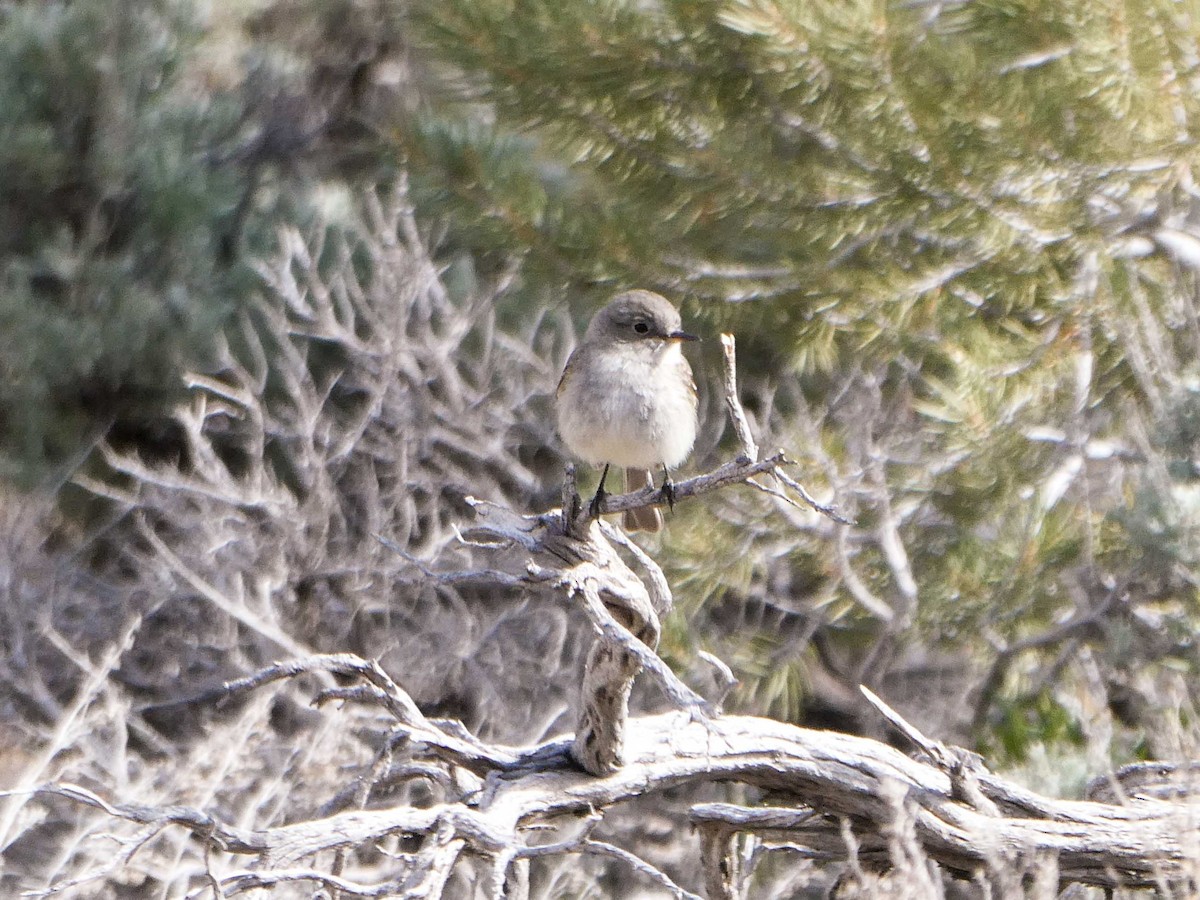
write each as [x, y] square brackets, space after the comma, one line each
[567, 371]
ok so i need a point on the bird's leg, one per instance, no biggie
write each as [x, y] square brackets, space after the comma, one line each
[601, 493]
[668, 489]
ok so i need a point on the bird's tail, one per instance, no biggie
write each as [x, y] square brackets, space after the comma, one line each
[647, 518]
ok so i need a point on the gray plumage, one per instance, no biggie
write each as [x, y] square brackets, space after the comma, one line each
[627, 396]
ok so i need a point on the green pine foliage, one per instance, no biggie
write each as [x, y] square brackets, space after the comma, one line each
[110, 218]
[957, 204]
[147, 149]
[840, 161]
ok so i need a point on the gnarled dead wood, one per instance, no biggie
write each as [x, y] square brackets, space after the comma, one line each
[580, 558]
[831, 777]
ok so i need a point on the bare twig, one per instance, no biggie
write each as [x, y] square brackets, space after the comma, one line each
[639, 865]
[824, 509]
[961, 765]
[240, 882]
[475, 756]
[730, 473]
[855, 585]
[227, 837]
[727, 680]
[738, 470]
[36, 769]
[737, 415]
[935, 751]
[237, 610]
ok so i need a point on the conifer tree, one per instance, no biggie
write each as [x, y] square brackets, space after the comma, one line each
[108, 220]
[955, 243]
[147, 147]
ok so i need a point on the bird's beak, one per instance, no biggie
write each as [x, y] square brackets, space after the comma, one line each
[681, 336]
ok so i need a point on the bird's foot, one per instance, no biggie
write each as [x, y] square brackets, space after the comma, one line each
[668, 490]
[601, 495]
[595, 507]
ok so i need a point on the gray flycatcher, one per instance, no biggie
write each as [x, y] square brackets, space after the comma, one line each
[627, 398]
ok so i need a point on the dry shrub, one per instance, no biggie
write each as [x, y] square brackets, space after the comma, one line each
[321, 462]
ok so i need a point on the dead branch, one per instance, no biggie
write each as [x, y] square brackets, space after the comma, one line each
[830, 776]
[579, 557]
[733, 472]
[737, 415]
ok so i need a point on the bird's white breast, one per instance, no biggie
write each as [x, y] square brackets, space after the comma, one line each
[635, 409]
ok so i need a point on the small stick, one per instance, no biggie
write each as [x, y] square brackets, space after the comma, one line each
[728, 473]
[961, 765]
[570, 497]
[741, 425]
[933, 750]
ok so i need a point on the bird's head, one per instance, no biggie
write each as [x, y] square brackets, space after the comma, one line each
[639, 316]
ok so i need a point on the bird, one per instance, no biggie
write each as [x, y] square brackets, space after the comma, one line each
[627, 398]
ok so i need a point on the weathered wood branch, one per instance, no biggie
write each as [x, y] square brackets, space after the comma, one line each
[580, 558]
[458, 747]
[737, 415]
[831, 777]
[736, 471]
[623, 609]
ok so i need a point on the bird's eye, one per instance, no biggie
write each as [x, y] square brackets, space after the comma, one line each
[641, 327]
